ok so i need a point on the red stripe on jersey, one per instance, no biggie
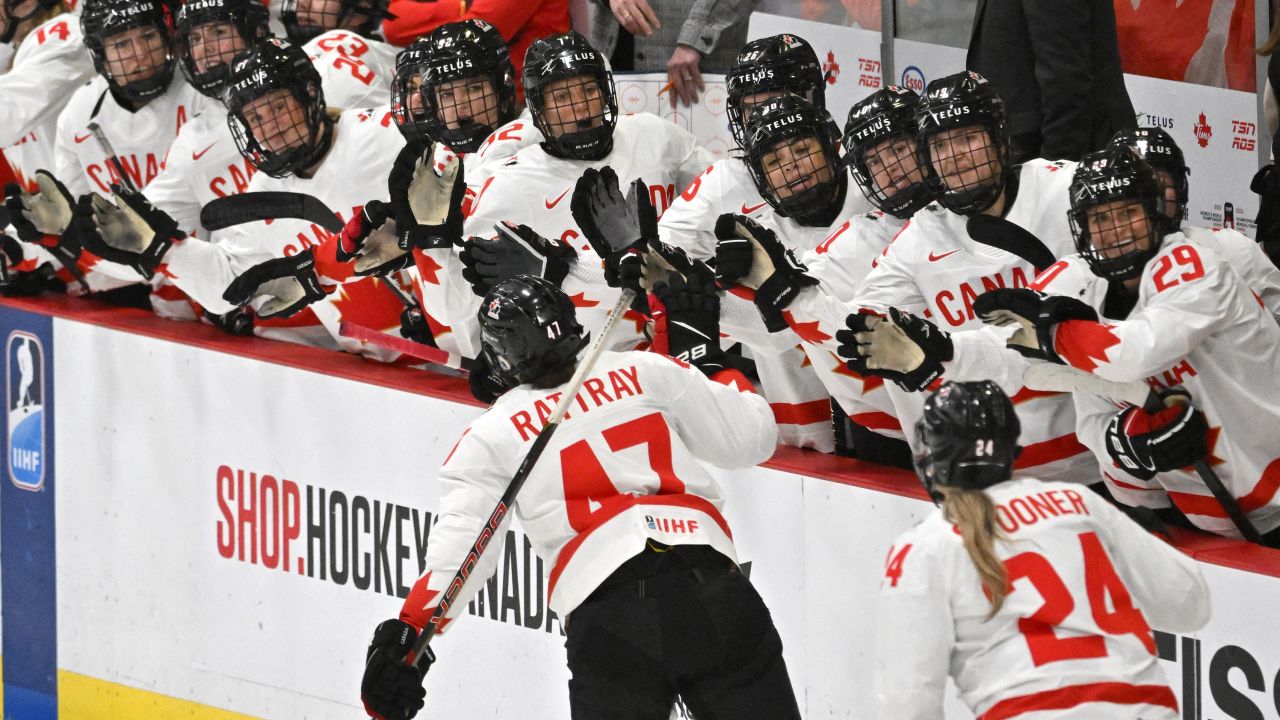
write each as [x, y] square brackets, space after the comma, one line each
[1027, 393]
[168, 292]
[626, 502]
[876, 420]
[1042, 453]
[1130, 486]
[801, 413]
[1084, 343]
[734, 379]
[1260, 496]
[1076, 695]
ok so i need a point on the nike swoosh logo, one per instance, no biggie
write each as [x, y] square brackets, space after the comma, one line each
[198, 155]
[553, 203]
[936, 258]
[80, 139]
[748, 209]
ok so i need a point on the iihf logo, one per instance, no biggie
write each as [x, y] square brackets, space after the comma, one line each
[25, 363]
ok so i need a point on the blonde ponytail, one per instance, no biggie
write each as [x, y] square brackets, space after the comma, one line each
[975, 515]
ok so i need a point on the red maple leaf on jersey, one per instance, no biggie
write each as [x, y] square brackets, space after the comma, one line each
[869, 382]
[808, 331]
[1084, 343]
[427, 267]
[1211, 440]
[369, 304]
[580, 301]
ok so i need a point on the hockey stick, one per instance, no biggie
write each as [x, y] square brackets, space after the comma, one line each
[1063, 378]
[526, 466]
[104, 144]
[391, 342]
[225, 212]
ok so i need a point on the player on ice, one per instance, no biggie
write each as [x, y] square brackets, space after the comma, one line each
[1036, 598]
[643, 564]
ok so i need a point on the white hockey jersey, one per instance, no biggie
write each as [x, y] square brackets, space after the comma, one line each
[1073, 638]
[625, 466]
[1197, 325]
[49, 65]
[724, 187]
[933, 268]
[365, 139]
[355, 72]
[533, 188]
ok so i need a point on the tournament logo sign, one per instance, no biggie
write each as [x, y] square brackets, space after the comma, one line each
[913, 79]
[25, 443]
[1203, 131]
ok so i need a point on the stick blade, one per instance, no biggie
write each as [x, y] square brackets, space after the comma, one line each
[1064, 378]
[249, 207]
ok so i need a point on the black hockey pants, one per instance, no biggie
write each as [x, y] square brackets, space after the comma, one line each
[680, 620]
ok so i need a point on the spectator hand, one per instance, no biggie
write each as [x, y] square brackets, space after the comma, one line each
[635, 16]
[684, 75]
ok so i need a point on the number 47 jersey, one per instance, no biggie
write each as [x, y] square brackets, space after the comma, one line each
[624, 467]
[1073, 638]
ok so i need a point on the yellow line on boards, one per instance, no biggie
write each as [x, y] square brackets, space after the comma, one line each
[81, 697]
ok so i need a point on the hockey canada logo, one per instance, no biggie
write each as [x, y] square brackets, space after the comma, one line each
[25, 394]
[1203, 131]
[830, 68]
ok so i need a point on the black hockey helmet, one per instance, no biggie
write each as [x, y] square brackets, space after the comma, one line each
[965, 100]
[889, 114]
[560, 57]
[967, 436]
[1117, 173]
[303, 137]
[247, 17]
[1162, 153]
[470, 49]
[529, 328]
[101, 20]
[780, 63]
[10, 11]
[783, 119]
[321, 16]
[411, 64]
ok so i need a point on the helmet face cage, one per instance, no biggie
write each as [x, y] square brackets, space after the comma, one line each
[781, 64]
[138, 67]
[792, 145]
[276, 110]
[569, 89]
[1162, 153]
[881, 150]
[406, 103]
[202, 23]
[468, 84]
[968, 437]
[13, 19]
[1115, 194]
[320, 16]
[964, 140]
[528, 328]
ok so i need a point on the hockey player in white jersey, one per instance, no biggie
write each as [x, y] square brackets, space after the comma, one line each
[643, 562]
[570, 94]
[1037, 598]
[994, 225]
[138, 106]
[791, 152]
[279, 119]
[1245, 255]
[1141, 303]
[356, 70]
[305, 20]
[766, 68]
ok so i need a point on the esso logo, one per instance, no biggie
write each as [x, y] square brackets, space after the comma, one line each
[913, 79]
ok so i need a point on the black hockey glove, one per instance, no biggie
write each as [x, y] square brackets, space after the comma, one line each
[289, 284]
[488, 383]
[1143, 444]
[131, 232]
[616, 226]
[773, 271]
[414, 326]
[517, 250]
[390, 688]
[47, 212]
[238, 322]
[427, 205]
[904, 348]
[1036, 314]
[11, 256]
[686, 321]
[27, 284]
[1266, 183]
[370, 238]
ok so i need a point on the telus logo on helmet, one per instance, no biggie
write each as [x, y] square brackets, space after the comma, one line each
[756, 76]
[877, 126]
[951, 112]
